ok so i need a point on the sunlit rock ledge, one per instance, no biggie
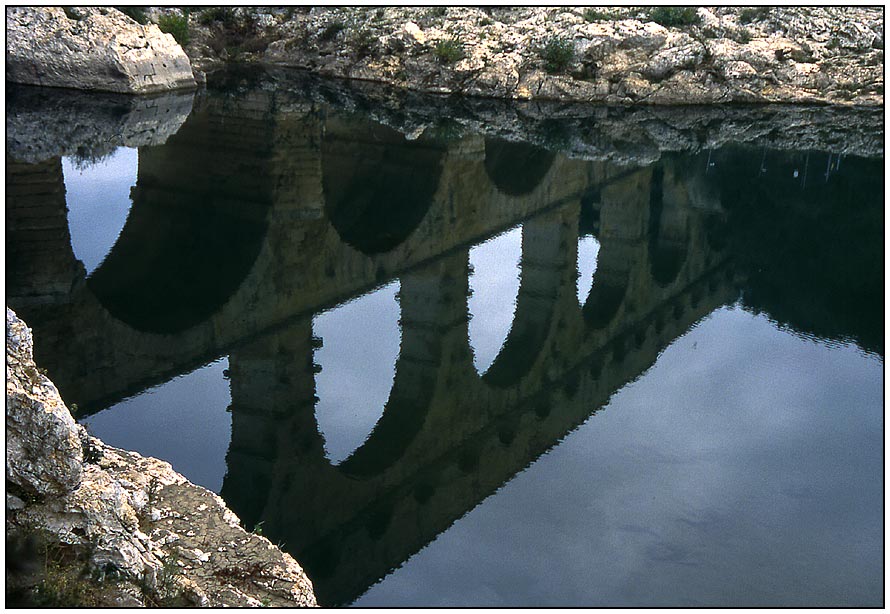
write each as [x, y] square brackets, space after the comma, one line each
[613, 55]
[118, 528]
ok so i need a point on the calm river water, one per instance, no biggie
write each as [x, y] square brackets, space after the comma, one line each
[487, 356]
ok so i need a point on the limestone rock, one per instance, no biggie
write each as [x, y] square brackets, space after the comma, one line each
[731, 54]
[157, 538]
[92, 48]
[43, 449]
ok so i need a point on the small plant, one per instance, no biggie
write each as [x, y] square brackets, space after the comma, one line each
[136, 13]
[364, 42]
[592, 15]
[222, 14]
[742, 36]
[440, 11]
[449, 50]
[486, 21]
[674, 15]
[331, 31]
[753, 14]
[557, 53]
[166, 591]
[177, 25]
[72, 13]
[258, 528]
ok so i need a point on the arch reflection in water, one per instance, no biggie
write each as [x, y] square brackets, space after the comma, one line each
[98, 199]
[588, 251]
[359, 346]
[494, 289]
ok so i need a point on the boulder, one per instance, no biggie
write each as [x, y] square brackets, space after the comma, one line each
[92, 48]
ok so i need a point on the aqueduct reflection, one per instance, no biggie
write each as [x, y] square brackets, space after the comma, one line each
[447, 437]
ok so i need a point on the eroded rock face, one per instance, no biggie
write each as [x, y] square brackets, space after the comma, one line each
[151, 536]
[618, 55]
[43, 449]
[92, 48]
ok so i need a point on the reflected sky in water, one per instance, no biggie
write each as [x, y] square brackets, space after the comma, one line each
[358, 364]
[494, 283]
[98, 198]
[588, 250]
[183, 422]
[736, 461]
[740, 470]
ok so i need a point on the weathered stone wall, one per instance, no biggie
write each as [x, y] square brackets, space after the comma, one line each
[151, 535]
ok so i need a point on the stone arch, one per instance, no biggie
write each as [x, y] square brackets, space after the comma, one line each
[668, 232]
[516, 169]
[179, 258]
[544, 257]
[622, 225]
[378, 185]
[425, 299]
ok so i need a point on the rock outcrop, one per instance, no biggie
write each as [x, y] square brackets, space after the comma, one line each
[141, 532]
[614, 55]
[611, 55]
[92, 48]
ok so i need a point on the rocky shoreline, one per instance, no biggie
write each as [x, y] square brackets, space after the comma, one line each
[91, 525]
[605, 55]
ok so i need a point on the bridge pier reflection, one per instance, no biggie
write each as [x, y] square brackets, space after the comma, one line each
[447, 437]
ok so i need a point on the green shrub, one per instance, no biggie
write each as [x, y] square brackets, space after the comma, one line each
[591, 15]
[753, 14]
[177, 25]
[449, 50]
[363, 42]
[557, 53]
[743, 37]
[440, 11]
[72, 13]
[674, 15]
[331, 31]
[222, 14]
[136, 13]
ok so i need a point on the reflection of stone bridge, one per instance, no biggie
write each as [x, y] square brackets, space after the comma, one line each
[245, 226]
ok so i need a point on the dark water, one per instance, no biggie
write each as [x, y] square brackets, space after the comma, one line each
[490, 356]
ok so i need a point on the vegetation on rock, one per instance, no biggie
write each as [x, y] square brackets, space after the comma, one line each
[558, 53]
[177, 25]
[449, 50]
[670, 16]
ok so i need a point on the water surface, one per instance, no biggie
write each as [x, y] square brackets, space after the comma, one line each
[572, 367]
